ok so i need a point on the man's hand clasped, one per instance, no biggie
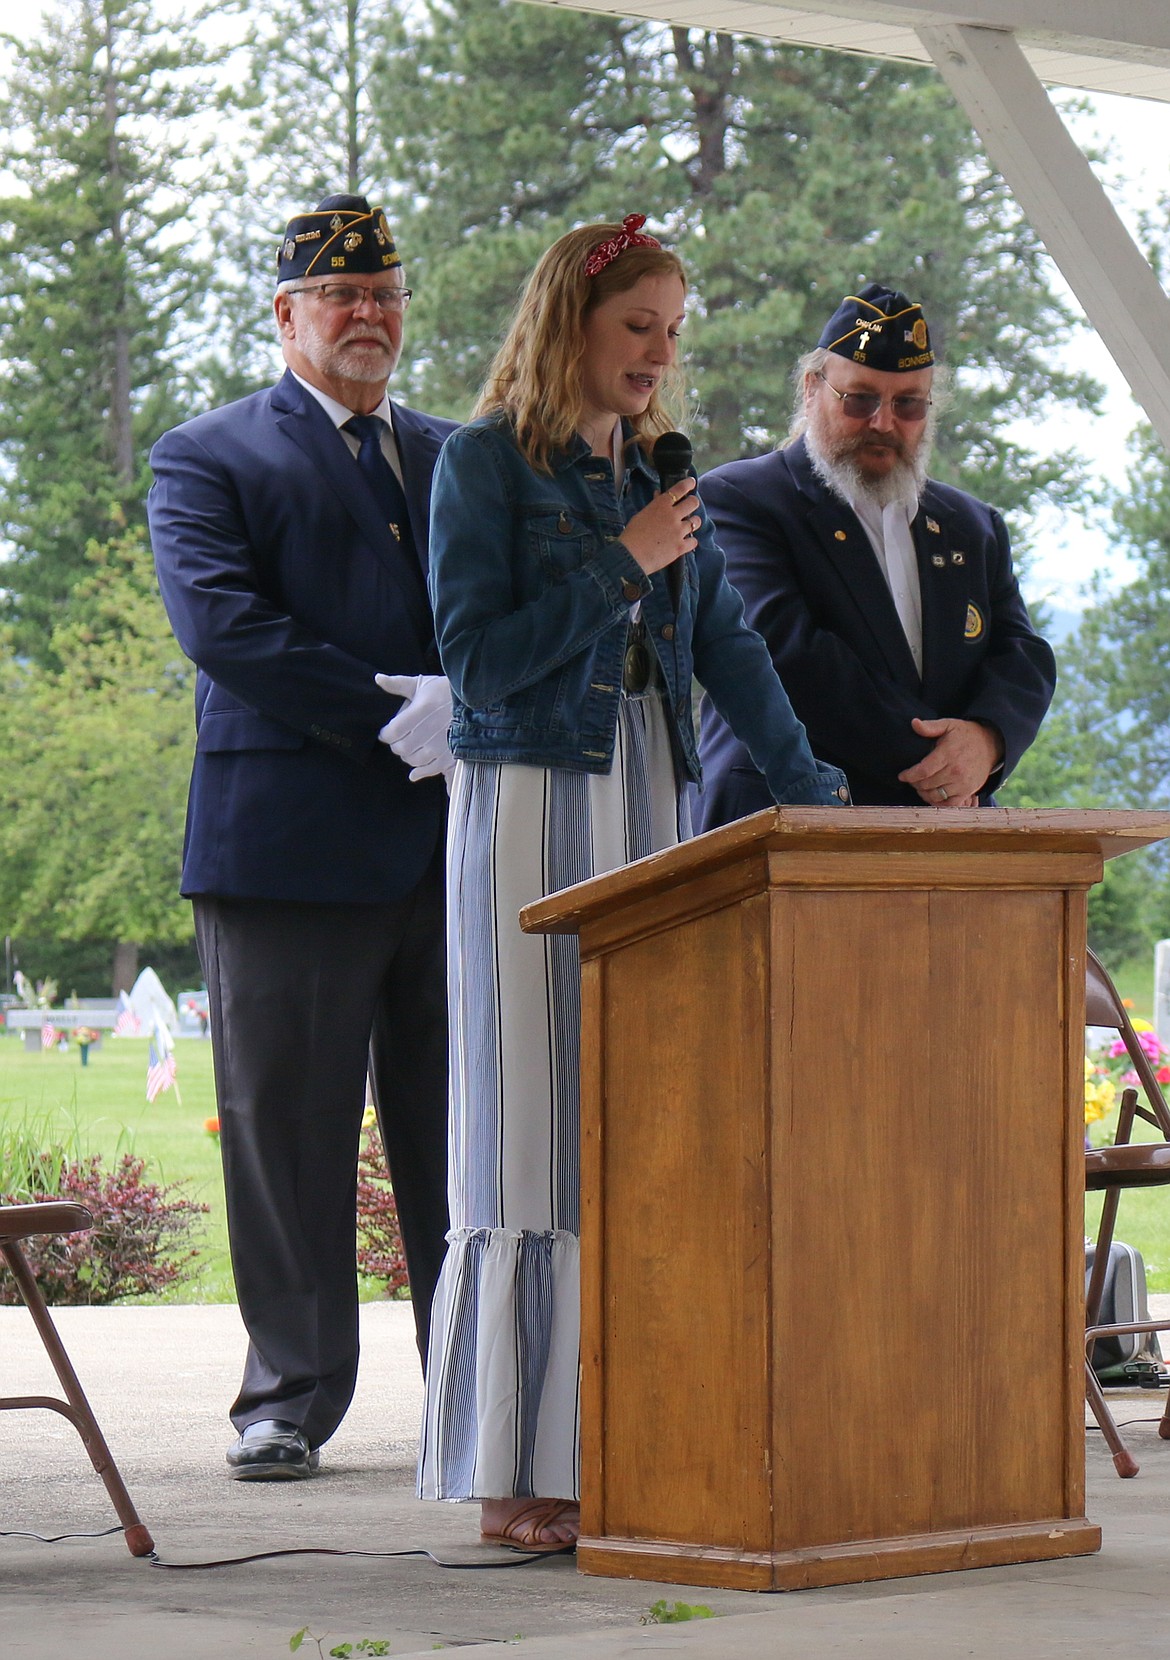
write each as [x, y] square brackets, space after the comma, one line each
[964, 756]
[418, 732]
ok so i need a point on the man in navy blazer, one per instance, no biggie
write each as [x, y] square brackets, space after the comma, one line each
[291, 555]
[888, 600]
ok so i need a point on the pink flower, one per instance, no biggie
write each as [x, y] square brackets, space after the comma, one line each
[1149, 1042]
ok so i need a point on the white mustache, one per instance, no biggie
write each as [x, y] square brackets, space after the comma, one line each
[362, 337]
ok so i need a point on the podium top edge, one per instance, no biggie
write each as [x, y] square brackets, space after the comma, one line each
[1107, 832]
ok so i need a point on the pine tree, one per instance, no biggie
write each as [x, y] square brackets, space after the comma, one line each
[301, 129]
[1106, 742]
[1124, 641]
[94, 271]
[505, 125]
[306, 105]
[814, 173]
[785, 177]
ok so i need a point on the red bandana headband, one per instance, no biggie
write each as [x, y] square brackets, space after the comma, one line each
[628, 237]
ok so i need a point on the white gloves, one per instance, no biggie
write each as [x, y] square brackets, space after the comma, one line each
[418, 732]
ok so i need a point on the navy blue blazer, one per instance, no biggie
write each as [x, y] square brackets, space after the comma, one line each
[813, 587]
[289, 592]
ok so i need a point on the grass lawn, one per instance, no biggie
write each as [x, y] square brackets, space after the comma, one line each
[1135, 980]
[102, 1108]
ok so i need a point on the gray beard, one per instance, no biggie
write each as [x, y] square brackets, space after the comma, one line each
[905, 480]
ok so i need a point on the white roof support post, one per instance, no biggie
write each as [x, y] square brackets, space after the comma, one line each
[1049, 176]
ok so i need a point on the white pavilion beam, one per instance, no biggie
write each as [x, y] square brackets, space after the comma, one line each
[1058, 191]
[1131, 27]
[1119, 47]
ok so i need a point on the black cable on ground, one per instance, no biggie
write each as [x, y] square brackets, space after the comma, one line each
[43, 1539]
[519, 1561]
[1129, 1423]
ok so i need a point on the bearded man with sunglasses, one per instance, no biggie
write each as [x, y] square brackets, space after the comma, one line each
[888, 600]
[290, 536]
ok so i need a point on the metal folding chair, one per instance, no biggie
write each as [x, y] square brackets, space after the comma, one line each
[1110, 1170]
[19, 1222]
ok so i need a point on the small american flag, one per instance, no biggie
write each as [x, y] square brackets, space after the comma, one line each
[161, 1069]
[126, 1023]
[48, 1035]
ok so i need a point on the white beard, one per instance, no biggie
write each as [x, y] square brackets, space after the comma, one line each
[844, 476]
[345, 359]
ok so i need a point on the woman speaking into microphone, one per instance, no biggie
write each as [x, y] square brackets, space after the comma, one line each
[574, 599]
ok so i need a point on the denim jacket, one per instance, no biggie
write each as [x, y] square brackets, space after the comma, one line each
[532, 588]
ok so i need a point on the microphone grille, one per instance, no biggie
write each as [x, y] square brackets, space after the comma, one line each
[673, 452]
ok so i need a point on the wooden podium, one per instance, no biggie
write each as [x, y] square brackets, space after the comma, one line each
[833, 1195]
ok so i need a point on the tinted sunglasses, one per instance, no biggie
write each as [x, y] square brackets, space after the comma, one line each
[863, 406]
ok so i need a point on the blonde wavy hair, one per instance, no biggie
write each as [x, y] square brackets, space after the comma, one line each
[537, 377]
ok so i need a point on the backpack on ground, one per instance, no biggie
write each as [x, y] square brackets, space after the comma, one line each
[1132, 1357]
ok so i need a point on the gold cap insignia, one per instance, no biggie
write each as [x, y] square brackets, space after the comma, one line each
[336, 223]
[932, 526]
[973, 627]
[289, 248]
[918, 334]
[352, 241]
[839, 536]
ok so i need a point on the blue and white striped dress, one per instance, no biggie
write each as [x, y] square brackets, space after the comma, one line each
[501, 1416]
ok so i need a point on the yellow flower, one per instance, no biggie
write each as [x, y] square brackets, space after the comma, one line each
[1099, 1095]
[369, 1117]
[1140, 1025]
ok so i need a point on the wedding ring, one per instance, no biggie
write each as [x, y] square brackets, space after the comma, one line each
[943, 793]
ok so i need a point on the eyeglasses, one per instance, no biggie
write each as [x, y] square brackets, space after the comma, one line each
[863, 406]
[347, 296]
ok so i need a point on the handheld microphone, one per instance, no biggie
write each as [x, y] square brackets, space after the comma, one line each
[672, 457]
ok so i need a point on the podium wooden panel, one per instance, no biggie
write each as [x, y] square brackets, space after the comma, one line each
[833, 1195]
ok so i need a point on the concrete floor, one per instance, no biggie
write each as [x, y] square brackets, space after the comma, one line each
[160, 1380]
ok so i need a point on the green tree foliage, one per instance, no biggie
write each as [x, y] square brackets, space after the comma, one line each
[97, 756]
[1125, 639]
[505, 125]
[1077, 761]
[93, 271]
[305, 101]
[786, 177]
[300, 116]
[1107, 739]
[1106, 742]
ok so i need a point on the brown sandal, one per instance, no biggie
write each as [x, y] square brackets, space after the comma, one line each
[523, 1531]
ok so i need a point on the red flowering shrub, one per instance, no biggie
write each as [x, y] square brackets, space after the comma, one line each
[140, 1241]
[379, 1240]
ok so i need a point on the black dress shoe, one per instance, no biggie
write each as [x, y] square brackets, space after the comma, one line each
[271, 1450]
